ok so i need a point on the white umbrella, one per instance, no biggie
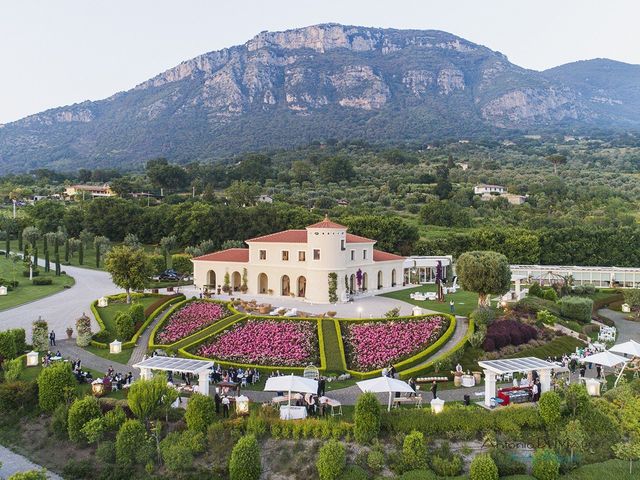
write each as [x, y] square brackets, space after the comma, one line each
[606, 359]
[629, 348]
[291, 383]
[385, 385]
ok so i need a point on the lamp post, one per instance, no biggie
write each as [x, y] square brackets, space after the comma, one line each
[359, 312]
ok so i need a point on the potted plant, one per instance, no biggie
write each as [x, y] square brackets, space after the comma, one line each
[69, 332]
[332, 314]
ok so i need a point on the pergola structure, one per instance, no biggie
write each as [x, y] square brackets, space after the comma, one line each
[493, 368]
[201, 368]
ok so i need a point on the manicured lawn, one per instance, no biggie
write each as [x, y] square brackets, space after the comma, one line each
[331, 347]
[617, 469]
[465, 302]
[26, 292]
[122, 357]
[108, 314]
[556, 347]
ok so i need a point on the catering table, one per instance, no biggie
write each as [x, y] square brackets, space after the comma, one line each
[468, 381]
[292, 413]
[336, 406]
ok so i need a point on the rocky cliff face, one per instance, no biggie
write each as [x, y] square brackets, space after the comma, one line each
[285, 88]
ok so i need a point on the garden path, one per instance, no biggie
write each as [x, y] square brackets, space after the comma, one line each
[62, 309]
[14, 463]
[140, 349]
[627, 330]
[70, 350]
[462, 325]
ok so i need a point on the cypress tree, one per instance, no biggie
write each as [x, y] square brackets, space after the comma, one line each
[35, 257]
[7, 246]
[81, 253]
[57, 264]
[97, 256]
[20, 240]
[47, 266]
[66, 251]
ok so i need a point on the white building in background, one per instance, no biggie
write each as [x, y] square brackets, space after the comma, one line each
[623, 277]
[483, 189]
[422, 269]
[297, 263]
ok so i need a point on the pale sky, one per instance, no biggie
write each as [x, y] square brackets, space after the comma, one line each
[58, 52]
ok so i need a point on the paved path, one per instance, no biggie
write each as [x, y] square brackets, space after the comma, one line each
[627, 330]
[61, 310]
[70, 350]
[14, 463]
[141, 347]
[462, 325]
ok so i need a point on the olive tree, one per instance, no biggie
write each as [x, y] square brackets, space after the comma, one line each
[129, 267]
[484, 272]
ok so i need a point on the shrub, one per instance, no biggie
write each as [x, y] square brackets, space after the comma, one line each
[535, 290]
[418, 475]
[414, 451]
[79, 469]
[507, 463]
[54, 384]
[7, 346]
[545, 317]
[331, 460]
[129, 439]
[483, 468]
[114, 419]
[41, 281]
[81, 411]
[483, 316]
[354, 472]
[508, 332]
[176, 453]
[549, 407]
[124, 326]
[550, 294]
[366, 418]
[576, 308]
[106, 452]
[200, 412]
[578, 290]
[30, 475]
[256, 425]
[17, 396]
[181, 263]
[136, 311]
[83, 331]
[545, 465]
[19, 339]
[12, 369]
[375, 460]
[445, 463]
[59, 421]
[244, 463]
[589, 289]
[40, 335]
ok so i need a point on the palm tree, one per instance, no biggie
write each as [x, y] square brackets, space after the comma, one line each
[556, 159]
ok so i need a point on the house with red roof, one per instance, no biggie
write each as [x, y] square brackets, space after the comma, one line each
[298, 263]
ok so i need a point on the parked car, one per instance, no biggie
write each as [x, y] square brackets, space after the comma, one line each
[171, 275]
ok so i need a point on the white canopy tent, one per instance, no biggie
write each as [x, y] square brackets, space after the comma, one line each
[201, 368]
[631, 348]
[606, 359]
[291, 383]
[493, 368]
[385, 385]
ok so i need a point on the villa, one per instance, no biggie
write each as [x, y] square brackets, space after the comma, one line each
[297, 263]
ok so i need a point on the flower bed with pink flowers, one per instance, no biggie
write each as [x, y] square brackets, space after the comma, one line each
[283, 343]
[377, 344]
[189, 319]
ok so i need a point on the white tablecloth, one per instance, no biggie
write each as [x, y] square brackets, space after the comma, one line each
[468, 381]
[292, 413]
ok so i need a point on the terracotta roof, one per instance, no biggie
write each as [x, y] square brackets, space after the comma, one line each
[351, 238]
[380, 256]
[300, 236]
[288, 236]
[326, 223]
[230, 255]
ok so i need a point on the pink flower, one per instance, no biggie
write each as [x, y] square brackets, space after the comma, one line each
[189, 319]
[266, 342]
[376, 344]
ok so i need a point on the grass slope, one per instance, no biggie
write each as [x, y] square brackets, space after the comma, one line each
[331, 348]
[26, 292]
[108, 314]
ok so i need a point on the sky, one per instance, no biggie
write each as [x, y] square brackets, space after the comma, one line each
[59, 52]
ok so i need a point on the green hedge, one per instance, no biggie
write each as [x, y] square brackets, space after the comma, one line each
[576, 308]
[169, 300]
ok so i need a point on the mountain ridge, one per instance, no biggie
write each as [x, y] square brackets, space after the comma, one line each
[282, 89]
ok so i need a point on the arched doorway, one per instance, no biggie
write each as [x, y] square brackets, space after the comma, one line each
[211, 278]
[352, 283]
[285, 286]
[379, 279]
[236, 281]
[365, 281]
[263, 283]
[302, 287]
[393, 277]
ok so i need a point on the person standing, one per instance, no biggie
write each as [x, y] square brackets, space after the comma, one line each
[452, 307]
[598, 372]
[434, 389]
[412, 384]
[52, 338]
[322, 385]
[225, 407]
[218, 401]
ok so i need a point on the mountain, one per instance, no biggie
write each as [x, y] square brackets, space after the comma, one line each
[610, 88]
[282, 89]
